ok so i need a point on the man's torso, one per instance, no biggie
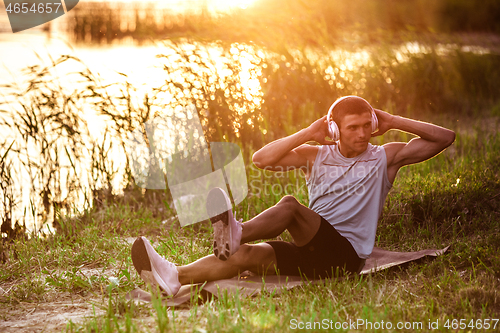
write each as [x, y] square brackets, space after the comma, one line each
[350, 192]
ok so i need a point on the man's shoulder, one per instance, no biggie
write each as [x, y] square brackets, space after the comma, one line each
[309, 152]
[373, 151]
[372, 147]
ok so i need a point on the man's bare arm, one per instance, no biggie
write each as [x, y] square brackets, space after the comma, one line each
[431, 140]
[291, 151]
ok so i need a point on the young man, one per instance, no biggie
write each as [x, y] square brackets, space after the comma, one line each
[348, 181]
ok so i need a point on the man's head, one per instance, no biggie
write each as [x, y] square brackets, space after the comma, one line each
[352, 120]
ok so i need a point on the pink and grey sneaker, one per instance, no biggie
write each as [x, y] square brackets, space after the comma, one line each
[154, 269]
[227, 230]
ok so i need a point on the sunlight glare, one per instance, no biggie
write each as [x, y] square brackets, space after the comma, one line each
[243, 4]
[212, 5]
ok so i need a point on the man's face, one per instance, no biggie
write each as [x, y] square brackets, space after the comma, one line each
[355, 133]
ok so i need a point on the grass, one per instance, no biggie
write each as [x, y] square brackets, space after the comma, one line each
[90, 263]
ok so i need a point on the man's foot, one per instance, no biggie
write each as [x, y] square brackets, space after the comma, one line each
[227, 231]
[154, 269]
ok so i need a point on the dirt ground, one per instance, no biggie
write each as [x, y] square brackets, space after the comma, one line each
[47, 317]
[56, 309]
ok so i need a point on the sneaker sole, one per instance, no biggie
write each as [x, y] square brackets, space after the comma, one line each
[142, 264]
[216, 201]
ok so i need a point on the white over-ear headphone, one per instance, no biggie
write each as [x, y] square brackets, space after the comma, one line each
[333, 128]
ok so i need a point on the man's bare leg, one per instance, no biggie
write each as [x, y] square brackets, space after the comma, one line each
[257, 258]
[288, 214]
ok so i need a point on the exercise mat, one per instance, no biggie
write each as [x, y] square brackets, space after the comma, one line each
[248, 284]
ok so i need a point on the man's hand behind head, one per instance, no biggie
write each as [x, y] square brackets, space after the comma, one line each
[318, 131]
[384, 122]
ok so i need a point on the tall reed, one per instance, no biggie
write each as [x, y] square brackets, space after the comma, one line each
[44, 114]
[8, 200]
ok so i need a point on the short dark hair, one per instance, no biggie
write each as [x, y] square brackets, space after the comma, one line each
[350, 105]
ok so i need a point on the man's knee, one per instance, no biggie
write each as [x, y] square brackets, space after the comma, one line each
[290, 201]
[243, 254]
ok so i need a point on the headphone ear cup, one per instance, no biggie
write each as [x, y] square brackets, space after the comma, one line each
[374, 122]
[334, 131]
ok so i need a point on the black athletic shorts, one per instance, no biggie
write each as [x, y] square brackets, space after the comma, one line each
[328, 254]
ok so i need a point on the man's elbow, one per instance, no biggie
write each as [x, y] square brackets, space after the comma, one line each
[449, 138]
[257, 160]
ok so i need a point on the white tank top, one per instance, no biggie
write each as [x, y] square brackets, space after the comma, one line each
[350, 193]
